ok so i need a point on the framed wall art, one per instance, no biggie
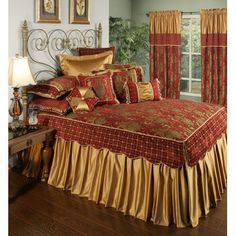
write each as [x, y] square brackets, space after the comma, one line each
[79, 11]
[48, 11]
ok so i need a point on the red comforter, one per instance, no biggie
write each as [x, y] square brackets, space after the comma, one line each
[167, 131]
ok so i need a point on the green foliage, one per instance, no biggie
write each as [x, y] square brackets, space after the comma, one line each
[190, 29]
[131, 41]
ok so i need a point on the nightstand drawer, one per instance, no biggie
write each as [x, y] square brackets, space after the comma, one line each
[26, 141]
[23, 144]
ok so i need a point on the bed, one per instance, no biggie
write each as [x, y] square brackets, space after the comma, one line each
[161, 161]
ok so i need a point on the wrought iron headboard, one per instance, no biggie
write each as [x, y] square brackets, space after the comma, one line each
[50, 44]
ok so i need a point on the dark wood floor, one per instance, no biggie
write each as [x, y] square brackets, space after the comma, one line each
[38, 209]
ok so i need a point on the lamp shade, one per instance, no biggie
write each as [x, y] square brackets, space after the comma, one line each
[19, 73]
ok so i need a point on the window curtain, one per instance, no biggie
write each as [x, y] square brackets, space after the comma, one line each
[165, 42]
[214, 55]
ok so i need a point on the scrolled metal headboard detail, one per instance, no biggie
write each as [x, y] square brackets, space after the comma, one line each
[49, 44]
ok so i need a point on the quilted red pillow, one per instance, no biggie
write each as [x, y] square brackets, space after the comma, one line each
[142, 91]
[92, 51]
[102, 86]
[55, 87]
[59, 106]
[82, 99]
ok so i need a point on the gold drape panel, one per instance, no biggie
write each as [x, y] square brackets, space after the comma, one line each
[213, 21]
[165, 42]
[139, 188]
[165, 22]
[214, 56]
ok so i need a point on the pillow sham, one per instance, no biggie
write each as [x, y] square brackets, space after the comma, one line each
[74, 65]
[92, 51]
[138, 69]
[142, 91]
[82, 99]
[54, 88]
[102, 86]
[59, 106]
[119, 78]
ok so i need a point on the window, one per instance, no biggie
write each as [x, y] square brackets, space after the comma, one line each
[190, 84]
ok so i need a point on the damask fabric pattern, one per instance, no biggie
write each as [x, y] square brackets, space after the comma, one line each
[165, 42]
[123, 73]
[168, 131]
[142, 91]
[55, 87]
[102, 86]
[59, 106]
[214, 56]
[126, 67]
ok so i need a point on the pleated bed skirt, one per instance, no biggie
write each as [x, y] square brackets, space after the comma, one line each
[137, 187]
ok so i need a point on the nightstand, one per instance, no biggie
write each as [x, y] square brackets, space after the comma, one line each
[19, 142]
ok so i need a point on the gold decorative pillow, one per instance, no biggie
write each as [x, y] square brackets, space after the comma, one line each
[82, 99]
[74, 65]
[142, 91]
[92, 51]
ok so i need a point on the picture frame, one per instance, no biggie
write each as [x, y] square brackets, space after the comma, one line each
[48, 11]
[79, 12]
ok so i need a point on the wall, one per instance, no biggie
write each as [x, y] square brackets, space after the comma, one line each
[120, 8]
[141, 7]
[19, 10]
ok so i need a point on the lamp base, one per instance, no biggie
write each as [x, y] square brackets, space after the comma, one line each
[15, 108]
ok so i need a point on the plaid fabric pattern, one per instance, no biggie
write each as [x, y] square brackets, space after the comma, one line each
[190, 145]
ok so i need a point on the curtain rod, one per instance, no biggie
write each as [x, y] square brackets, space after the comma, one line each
[185, 13]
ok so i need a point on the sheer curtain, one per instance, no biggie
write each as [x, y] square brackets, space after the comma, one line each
[214, 55]
[165, 42]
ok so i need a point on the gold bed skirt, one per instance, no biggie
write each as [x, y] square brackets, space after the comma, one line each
[137, 187]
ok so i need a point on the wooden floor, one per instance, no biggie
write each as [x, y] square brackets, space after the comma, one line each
[38, 209]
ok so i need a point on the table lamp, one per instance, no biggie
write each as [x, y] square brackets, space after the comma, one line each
[19, 75]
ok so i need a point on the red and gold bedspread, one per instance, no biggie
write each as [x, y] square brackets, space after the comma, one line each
[167, 131]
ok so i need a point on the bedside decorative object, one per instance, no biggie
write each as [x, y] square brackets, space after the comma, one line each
[33, 120]
[79, 11]
[19, 75]
[48, 11]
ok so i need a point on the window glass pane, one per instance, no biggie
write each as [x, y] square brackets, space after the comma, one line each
[185, 35]
[196, 66]
[196, 87]
[196, 35]
[184, 85]
[185, 66]
[190, 97]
